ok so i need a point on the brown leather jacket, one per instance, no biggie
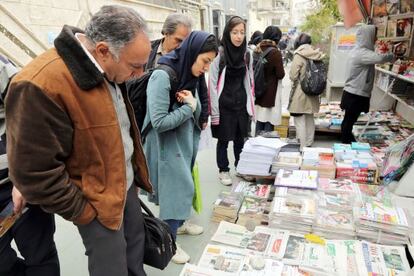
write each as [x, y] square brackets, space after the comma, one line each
[65, 147]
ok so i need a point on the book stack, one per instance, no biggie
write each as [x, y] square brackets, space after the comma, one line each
[297, 179]
[227, 206]
[380, 221]
[338, 186]
[257, 156]
[358, 166]
[319, 159]
[293, 213]
[295, 192]
[287, 160]
[250, 189]
[334, 224]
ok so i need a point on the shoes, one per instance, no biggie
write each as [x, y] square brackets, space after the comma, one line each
[246, 177]
[180, 256]
[225, 178]
[190, 229]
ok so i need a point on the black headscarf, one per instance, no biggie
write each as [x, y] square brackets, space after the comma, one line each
[273, 33]
[233, 56]
[183, 58]
[256, 37]
[302, 39]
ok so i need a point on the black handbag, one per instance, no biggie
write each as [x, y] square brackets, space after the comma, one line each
[160, 244]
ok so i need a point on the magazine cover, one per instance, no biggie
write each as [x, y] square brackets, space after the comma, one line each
[294, 206]
[336, 186]
[270, 267]
[392, 28]
[259, 242]
[381, 24]
[232, 234]
[277, 245]
[380, 8]
[406, 6]
[404, 27]
[393, 7]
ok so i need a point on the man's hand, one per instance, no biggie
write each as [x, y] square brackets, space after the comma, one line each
[18, 201]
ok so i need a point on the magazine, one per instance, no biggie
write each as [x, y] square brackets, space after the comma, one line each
[297, 179]
[277, 244]
[294, 206]
[406, 6]
[381, 24]
[380, 8]
[392, 28]
[259, 241]
[285, 192]
[404, 27]
[336, 186]
[393, 7]
[316, 260]
[7, 218]
[223, 259]
[270, 267]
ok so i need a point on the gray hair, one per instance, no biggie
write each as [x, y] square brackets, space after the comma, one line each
[115, 25]
[173, 20]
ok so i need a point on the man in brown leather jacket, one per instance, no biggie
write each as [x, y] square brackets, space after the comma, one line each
[74, 147]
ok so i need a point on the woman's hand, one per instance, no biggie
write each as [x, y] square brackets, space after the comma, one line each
[185, 96]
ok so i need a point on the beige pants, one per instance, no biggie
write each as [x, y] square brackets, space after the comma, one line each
[305, 129]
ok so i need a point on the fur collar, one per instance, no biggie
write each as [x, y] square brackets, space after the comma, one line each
[85, 73]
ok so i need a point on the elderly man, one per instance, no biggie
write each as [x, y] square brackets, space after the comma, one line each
[74, 147]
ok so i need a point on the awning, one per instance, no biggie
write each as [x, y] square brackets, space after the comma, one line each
[354, 11]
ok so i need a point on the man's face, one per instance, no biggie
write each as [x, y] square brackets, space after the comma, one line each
[172, 41]
[132, 59]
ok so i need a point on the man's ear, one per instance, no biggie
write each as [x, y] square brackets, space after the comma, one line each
[102, 50]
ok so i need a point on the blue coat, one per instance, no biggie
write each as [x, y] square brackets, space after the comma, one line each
[170, 148]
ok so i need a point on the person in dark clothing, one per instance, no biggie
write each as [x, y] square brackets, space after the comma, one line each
[231, 94]
[255, 39]
[176, 28]
[33, 231]
[269, 106]
[360, 80]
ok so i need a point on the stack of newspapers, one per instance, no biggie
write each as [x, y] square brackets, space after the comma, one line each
[227, 206]
[287, 160]
[379, 220]
[257, 156]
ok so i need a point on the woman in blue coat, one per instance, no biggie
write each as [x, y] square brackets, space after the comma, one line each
[171, 144]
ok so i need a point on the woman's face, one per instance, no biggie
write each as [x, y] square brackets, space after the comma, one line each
[237, 35]
[202, 63]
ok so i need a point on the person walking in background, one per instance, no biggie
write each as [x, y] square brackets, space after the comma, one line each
[34, 229]
[269, 106]
[302, 106]
[76, 151]
[360, 79]
[172, 140]
[231, 94]
[255, 39]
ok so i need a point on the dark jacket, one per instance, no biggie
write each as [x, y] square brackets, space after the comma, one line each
[201, 87]
[65, 148]
[273, 72]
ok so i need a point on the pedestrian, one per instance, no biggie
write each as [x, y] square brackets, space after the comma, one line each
[255, 39]
[360, 79]
[269, 105]
[302, 106]
[171, 143]
[73, 145]
[231, 94]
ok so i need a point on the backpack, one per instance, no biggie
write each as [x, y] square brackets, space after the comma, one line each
[313, 83]
[259, 61]
[137, 94]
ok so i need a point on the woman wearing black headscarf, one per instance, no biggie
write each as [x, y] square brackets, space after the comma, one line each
[171, 143]
[231, 94]
[269, 105]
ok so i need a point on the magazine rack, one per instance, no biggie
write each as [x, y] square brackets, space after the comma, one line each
[404, 187]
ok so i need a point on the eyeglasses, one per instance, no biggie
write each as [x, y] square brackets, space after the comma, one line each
[236, 33]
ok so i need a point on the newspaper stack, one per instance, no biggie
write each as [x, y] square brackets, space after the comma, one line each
[257, 156]
[227, 206]
[295, 192]
[338, 186]
[336, 201]
[319, 159]
[297, 179]
[287, 160]
[359, 166]
[293, 213]
[253, 212]
[381, 222]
